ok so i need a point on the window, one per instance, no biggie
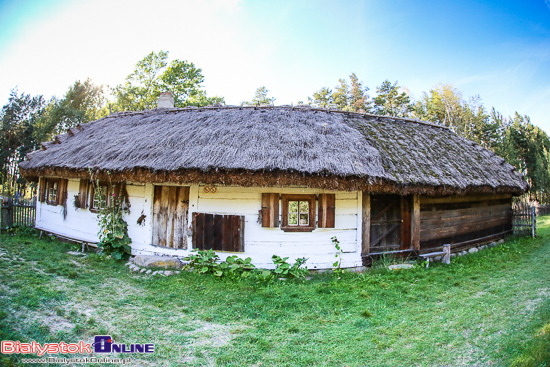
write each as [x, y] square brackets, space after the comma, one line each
[298, 213]
[52, 188]
[53, 191]
[99, 197]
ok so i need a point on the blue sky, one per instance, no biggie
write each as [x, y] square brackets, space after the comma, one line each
[499, 50]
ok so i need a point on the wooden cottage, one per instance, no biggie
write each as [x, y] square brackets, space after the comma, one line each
[258, 181]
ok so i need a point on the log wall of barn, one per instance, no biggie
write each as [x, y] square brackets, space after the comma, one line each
[455, 219]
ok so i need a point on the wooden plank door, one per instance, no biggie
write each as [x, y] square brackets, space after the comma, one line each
[170, 208]
[385, 223]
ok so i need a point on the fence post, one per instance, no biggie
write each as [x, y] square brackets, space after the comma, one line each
[9, 215]
[447, 257]
[534, 225]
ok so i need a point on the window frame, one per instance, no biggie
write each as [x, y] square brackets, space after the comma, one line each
[286, 199]
[91, 206]
[50, 182]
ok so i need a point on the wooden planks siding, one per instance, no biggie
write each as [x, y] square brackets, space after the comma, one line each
[459, 219]
[170, 208]
[218, 232]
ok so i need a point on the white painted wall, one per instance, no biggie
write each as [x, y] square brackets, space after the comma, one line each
[260, 243]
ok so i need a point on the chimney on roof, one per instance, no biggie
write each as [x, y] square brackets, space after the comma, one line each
[166, 100]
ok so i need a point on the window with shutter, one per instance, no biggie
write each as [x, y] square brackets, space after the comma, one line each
[298, 213]
[53, 191]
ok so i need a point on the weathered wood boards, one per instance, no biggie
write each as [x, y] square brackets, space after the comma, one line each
[396, 223]
[170, 208]
[456, 219]
[218, 232]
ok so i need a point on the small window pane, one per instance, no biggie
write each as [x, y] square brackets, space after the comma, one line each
[293, 206]
[304, 206]
[293, 219]
[304, 219]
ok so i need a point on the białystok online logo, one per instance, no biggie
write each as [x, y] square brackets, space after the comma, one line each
[101, 344]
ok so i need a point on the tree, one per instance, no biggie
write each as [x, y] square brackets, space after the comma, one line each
[352, 98]
[153, 75]
[260, 97]
[17, 121]
[83, 102]
[390, 102]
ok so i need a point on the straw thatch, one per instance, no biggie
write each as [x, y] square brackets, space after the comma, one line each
[278, 146]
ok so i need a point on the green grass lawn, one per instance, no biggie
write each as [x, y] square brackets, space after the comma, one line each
[491, 308]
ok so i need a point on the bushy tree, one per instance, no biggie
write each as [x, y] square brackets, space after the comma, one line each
[17, 122]
[153, 75]
[390, 102]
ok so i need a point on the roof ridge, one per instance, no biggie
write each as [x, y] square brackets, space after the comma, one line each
[264, 107]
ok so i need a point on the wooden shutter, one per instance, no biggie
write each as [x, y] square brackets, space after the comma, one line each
[42, 189]
[326, 214]
[218, 232]
[270, 210]
[62, 191]
[83, 194]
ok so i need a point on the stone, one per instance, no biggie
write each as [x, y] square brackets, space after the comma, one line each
[149, 271]
[501, 241]
[453, 254]
[168, 272]
[143, 270]
[166, 262]
[128, 263]
[155, 272]
[462, 253]
[492, 244]
[177, 272]
[76, 253]
[472, 250]
[482, 247]
[400, 266]
[136, 268]
[437, 258]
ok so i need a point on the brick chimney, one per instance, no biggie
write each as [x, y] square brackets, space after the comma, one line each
[166, 100]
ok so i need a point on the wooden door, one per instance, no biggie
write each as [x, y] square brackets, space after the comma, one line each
[170, 209]
[390, 228]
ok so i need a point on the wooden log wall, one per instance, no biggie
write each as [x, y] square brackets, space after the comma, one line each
[454, 219]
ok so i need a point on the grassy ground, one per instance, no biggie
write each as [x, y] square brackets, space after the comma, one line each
[491, 308]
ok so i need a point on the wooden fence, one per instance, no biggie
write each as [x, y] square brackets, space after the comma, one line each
[524, 219]
[22, 213]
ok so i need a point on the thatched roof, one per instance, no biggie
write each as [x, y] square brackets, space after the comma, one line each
[276, 146]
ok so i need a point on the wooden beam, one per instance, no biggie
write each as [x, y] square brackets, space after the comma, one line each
[463, 198]
[365, 247]
[415, 223]
[406, 220]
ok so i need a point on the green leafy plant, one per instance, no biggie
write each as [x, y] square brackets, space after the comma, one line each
[338, 263]
[202, 261]
[235, 267]
[284, 269]
[113, 229]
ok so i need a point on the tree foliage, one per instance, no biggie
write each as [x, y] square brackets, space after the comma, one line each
[261, 98]
[390, 102]
[351, 97]
[18, 119]
[153, 75]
